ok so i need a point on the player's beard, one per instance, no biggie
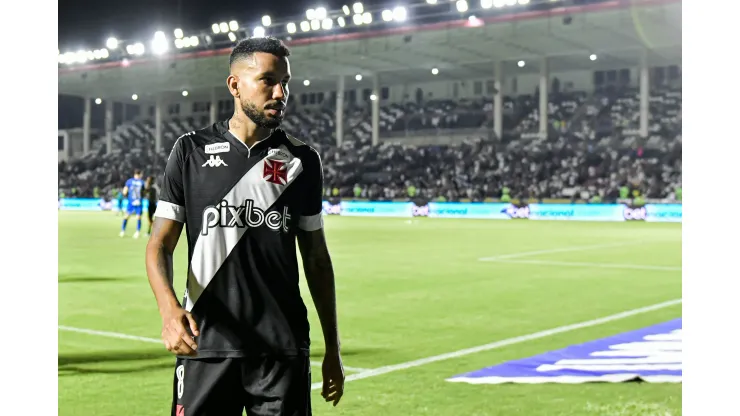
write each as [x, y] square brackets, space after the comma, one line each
[259, 118]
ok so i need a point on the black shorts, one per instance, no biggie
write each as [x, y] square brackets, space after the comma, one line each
[152, 210]
[226, 386]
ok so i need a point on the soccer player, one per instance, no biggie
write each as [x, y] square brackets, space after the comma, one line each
[133, 191]
[246, 191]
[119, 197]
[151, 194]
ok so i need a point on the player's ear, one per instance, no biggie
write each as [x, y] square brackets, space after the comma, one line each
[232, 82]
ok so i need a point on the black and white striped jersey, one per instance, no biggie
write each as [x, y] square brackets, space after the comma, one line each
[241, 208]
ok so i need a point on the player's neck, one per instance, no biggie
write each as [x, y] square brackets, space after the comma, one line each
[244, 129]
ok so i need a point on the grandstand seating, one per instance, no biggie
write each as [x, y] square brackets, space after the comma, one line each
[593, 146]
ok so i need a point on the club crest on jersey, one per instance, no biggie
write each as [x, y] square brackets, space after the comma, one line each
[244, 216]
[217, 148]
[275, 171]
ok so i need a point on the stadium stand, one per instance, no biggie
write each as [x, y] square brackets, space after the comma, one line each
[593, 148]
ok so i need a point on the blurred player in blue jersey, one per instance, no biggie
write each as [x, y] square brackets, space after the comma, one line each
[134, 190]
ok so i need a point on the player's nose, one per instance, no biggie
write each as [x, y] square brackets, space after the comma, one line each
[279, 93]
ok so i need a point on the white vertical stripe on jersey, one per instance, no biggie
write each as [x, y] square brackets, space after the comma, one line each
[211, 250]
[311, 222]
[170, 211]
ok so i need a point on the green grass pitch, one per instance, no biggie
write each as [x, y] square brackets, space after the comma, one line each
[406, 289]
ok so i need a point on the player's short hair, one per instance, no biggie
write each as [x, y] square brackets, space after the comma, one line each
[248, 47]
[137, 172]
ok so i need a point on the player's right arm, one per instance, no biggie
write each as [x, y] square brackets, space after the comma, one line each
[178, 325]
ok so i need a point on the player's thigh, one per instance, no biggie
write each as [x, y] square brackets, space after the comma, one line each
[277, 386]
[208, 387]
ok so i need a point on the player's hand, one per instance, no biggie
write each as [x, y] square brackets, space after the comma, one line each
[178, 329]
[333, 373]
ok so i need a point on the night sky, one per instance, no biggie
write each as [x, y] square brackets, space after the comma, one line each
[86, 24]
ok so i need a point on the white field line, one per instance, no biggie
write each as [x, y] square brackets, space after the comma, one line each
[503, 343]
[159, 341]
[556, 250]
[593, 265]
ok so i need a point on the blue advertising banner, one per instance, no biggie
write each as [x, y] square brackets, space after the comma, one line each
[577, 212]
[494, 211]
[652, 354]
[480, 210]
[376, 209]
[92, 204]
[664, 213]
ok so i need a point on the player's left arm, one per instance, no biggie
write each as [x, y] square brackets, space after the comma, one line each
[319, 272]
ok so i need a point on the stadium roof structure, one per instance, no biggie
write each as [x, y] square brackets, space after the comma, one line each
[619, 32]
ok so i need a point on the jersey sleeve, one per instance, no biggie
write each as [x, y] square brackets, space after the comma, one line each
[311, 216]
[171, 203]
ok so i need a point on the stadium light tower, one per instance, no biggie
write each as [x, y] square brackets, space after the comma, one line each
[98, 101]
[486, 4]
[499, 3]
[367, 18]
[510, 2]
[399, 14]
[345, 9]
[357, 8]
[310, 14]
[135, 49]
[523, 2]
[305, 26]
[387, 15]
[320, 13]
[233, 26]
[291, 27]
[216, 28]
[373, 97]
[266, 21]
[112, 43]
[232, 37]
[224, 27]
[432, 1]
[178, 33]
[340, 21]
[592, 57]
[306, 82]
[134, 97]
[315, 24]
[159, 43]
[435, 71]
[258, 32]
[521, 64]
[185, 93]
[462, 6]
[326, 24]
[357, 18]
[358, 77]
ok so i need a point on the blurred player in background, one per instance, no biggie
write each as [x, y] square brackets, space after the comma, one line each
[119, 197]
[133, 191]
[151, 194]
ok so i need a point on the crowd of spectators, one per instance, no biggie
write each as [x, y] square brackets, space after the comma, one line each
[592, 150]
